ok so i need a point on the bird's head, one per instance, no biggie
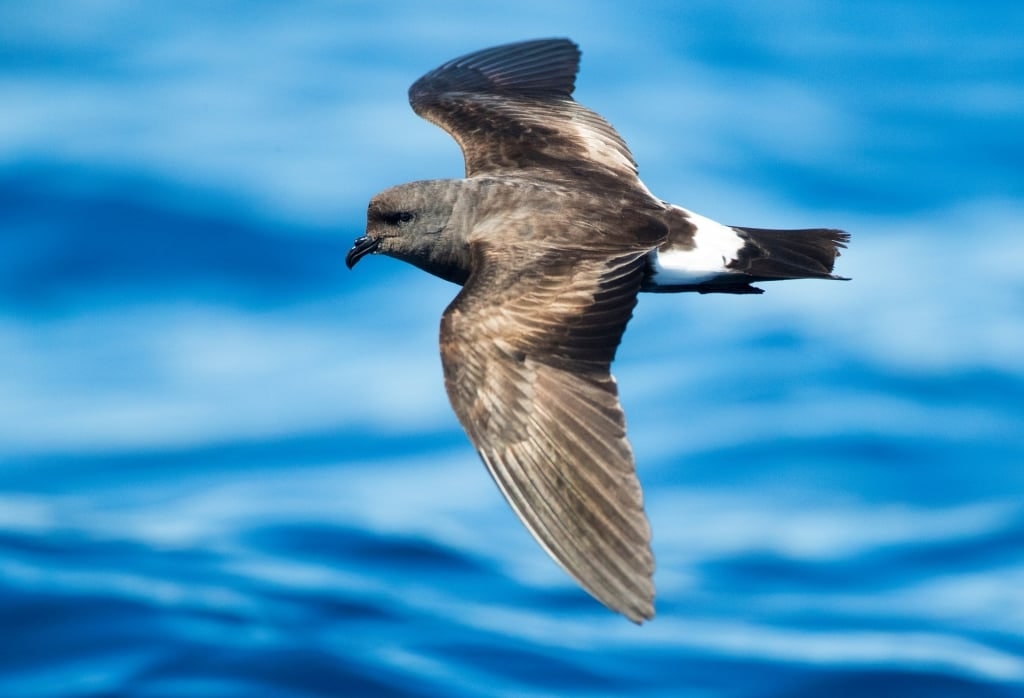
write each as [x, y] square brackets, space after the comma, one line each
[413, 222]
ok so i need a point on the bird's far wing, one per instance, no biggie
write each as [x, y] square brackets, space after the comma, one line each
[511, 108]
[527, 368]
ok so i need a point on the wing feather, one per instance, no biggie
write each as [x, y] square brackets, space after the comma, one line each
[510, 108]
[527, 369]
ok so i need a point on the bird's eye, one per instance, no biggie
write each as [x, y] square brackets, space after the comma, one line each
[397, 217]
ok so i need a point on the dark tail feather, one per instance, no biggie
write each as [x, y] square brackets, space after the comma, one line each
[789, 254]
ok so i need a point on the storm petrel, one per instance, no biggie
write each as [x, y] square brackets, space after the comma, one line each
[551, 235]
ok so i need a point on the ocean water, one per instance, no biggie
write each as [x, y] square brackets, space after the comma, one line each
[228, 466]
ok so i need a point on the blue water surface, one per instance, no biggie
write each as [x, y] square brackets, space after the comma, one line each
[228, 466]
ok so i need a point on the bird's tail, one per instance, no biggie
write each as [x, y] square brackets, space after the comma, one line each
[738, 257]
[788, 254]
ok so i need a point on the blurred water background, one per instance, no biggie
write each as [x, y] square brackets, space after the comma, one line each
[227, 464]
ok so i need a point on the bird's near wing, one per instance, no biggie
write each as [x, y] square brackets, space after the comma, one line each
[527, 360]
[510, 108]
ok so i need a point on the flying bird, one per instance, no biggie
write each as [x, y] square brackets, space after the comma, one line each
[552, 235]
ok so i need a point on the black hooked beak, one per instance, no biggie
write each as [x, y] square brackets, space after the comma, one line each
[360, 248]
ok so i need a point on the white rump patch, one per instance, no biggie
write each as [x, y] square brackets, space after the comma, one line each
[715, 246]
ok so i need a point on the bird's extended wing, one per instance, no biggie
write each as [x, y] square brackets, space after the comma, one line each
[510, 108]
[526, 358]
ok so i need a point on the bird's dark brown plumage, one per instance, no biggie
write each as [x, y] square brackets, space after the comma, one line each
[552, 235]
[510, 109]
[526, 364]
